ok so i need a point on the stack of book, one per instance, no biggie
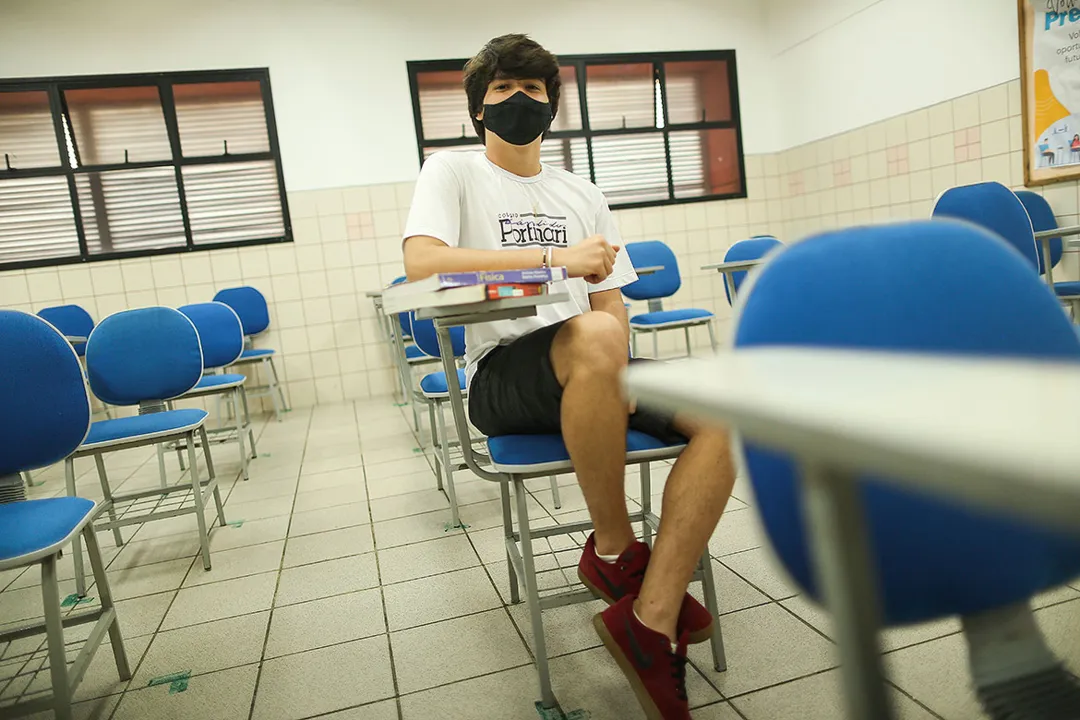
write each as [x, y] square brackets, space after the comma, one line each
[470, 287]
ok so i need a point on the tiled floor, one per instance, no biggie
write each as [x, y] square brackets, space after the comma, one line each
[338, 591]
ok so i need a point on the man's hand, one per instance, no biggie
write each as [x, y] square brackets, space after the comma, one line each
[593, 259]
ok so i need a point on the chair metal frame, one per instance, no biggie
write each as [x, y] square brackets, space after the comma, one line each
[160, 506]
[521, 558]
[273, 387]
[657, 305]
[235, 396]
[66, 681]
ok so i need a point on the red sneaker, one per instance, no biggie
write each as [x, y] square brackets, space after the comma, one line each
[611, 582]
[656, 673]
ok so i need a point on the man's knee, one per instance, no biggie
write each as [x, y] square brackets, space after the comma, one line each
[716, 438]
[593, 342]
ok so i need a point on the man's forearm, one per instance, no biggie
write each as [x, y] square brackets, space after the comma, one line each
[422, 261]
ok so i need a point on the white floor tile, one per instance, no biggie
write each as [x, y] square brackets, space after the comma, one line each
[765, 645]
[507, 695]
[205, 648]
[333, 577]
[441, 597]
[320, 681]
[409, 562]
[331, 497]
[818, 697]
[224, 695]
[238, 562]
[331, 518]
[328, 621]
[329, 545]
[455, 650]
[219, 600]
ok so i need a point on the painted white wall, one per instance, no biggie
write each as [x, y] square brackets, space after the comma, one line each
[842, 64]
[337, 67]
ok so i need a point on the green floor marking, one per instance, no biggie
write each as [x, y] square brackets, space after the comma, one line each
[400, 404]
[418, 450]
[447, 527]
[236, 524]
[557, 714]
[73, 599]
[177, 682]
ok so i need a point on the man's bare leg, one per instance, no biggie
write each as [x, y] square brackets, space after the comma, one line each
[696, 492]
[588, 355]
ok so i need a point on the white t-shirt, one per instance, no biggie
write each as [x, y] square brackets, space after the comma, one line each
[465, 200]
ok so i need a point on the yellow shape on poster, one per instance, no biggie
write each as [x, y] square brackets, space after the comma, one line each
[1048, 109]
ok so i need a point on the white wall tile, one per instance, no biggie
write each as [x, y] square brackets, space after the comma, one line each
[332, 228]
[74, 281]
[313, 284]
[44, 286]
[966, 111]
[356, 199]
[941, 119]
[994, 104]
[383, 197]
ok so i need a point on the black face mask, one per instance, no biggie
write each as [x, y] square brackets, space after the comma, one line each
[519, 119]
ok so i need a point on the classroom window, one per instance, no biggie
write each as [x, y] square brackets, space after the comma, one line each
[106, 167]
[648, 129]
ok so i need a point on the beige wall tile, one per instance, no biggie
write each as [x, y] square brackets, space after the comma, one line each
[966, 111]
[941, 119]
[994, 138]
[994, 104]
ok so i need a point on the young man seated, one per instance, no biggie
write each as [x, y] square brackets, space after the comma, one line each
[558, 372]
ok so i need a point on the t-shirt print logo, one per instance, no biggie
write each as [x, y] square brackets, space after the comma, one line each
[532, 229]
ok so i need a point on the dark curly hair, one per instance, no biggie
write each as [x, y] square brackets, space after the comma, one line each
[516, 57]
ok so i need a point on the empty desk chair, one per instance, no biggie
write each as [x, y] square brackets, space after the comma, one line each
[48, 415]
[434, 393]
[1043, 220]
[145, 358]
[932, 558]
[254, 313]
[222, 338]
[73, 322]
[654, 288]
[405, 357]
[754, 248]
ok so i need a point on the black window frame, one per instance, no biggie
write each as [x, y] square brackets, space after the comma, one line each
[163, 81]
[580, 64]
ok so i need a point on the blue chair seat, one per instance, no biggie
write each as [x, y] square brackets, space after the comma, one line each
[217, 382]
[37, 525]
[1066, 289]
[121, 430]
[412, 352]
[255, 353]
[669, 317]
[522, 453]
[434, 384]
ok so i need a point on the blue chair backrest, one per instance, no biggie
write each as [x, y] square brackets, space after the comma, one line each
[70, 320]
[755, 248]
[896, 288]
[995, 207]
[148, 354]
[46, 409]
[661, 284]
[250, 306]
[221, 333]
[403, 318]
[423, 333]
[1042, 219]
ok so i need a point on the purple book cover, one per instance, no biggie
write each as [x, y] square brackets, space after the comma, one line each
[525, 276]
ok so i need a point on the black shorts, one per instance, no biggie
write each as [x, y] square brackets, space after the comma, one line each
[515, 392]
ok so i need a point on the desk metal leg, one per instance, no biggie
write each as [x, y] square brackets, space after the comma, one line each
[1047, 262]
[729, 283]
[846, 580]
